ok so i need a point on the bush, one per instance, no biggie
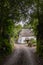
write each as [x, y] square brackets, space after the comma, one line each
[33, 41]
[5, 47]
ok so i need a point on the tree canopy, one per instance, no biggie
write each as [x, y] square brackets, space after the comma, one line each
[12, 11]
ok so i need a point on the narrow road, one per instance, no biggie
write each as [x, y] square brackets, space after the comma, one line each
[22, 56]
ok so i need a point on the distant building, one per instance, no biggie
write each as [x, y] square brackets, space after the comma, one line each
[24, 34]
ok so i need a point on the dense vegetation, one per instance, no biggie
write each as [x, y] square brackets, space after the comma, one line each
[36, 23]
[17, 30]
[12, 11]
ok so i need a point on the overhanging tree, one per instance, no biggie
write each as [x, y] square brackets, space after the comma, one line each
[11, 11]
[17, 10]
[40, 27]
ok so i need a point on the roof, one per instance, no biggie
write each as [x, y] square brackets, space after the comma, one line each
[26, 33]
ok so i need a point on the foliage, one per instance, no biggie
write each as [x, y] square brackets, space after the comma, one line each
[27, 26]
[17, 29]
[16, 10]
[40, 28]
[34, 26]
[5, 37]
[37, 24]
[33, 41]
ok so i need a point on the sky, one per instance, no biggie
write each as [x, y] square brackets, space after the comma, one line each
[22, 22]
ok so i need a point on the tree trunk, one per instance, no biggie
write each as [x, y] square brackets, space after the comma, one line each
[40, 32]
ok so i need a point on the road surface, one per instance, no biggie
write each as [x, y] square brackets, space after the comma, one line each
[22, 55]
